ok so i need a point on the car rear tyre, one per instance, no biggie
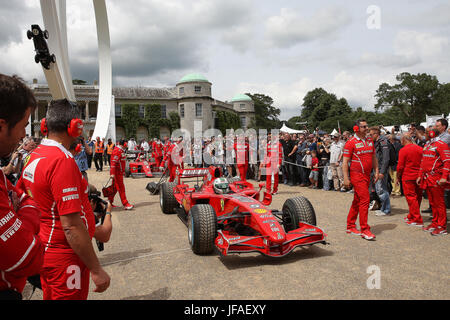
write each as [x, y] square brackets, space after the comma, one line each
[296, 210]
[202, 228]
[127, 169]
[167, 199]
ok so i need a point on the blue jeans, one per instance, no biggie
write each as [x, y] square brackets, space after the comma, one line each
[382, 191]
[326, 182]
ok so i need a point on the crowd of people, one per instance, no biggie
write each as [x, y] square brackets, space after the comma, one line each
[48, 217]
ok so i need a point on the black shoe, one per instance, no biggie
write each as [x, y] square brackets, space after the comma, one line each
[427, 210]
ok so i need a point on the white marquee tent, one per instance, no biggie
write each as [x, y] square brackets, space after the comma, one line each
[284, 128]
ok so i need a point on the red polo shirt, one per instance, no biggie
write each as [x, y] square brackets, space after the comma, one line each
[360, 152]
[52, 178]
[409, 159]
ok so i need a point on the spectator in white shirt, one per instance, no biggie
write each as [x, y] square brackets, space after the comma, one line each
[336, 163]
[131, 145]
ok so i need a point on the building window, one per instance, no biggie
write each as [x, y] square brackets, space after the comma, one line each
[198, 110]
[181, 110]
[118, 110]
[163, 112]
[243, 122]
[242, 106]
[141, 111]
[198, 89]
[181, 90]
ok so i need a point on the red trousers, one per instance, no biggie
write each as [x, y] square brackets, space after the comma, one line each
[242, 168]
[269, 173]
[437, 203]
[158, 160]
[64, 277]
[361, 200]
[172, 172]
[120, 187]
[413, 195]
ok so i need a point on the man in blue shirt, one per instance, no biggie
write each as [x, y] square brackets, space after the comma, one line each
[90, 143]
[81, 158]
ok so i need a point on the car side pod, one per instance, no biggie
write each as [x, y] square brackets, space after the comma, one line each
[305, 235]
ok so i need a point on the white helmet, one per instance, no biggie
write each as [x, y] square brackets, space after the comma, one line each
[221, 186]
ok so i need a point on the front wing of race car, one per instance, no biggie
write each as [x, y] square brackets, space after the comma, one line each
[305, 235]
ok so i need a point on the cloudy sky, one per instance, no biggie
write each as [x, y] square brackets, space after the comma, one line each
[280, 48]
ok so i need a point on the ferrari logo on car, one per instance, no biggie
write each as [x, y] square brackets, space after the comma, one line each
[222, 204]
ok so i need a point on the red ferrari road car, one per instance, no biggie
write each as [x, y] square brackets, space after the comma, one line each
[230, 216]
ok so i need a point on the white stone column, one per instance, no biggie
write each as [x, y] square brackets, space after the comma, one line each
[36, 113]
[86, 116]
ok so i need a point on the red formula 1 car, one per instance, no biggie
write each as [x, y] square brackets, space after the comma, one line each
[238, 221]
[137, 166]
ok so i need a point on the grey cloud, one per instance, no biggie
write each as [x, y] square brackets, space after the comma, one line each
[289, 29]
[14, 21]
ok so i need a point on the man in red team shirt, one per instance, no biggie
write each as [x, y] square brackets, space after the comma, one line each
[241, 148]
[157, 152]
[117, 170]
[173, 156]
[21, 250]
[408, 167]
[433, 177]
[52, 178]
[360, 151]
[272, 162]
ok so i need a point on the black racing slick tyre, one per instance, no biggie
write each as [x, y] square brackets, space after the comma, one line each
[296, 210]
[202, 229]
[167, 199]
[127, 169]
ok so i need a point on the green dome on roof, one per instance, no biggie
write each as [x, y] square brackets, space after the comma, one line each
[241, 97]
[193, 77]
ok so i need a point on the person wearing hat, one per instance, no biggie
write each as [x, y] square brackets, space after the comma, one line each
[336, 154]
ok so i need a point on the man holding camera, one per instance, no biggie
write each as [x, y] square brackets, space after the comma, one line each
[53, 179]
[21, 249]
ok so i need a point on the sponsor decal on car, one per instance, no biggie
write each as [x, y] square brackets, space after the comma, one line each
[260, 211]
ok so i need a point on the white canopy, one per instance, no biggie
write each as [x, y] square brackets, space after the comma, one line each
[289, 130]
[334, 132]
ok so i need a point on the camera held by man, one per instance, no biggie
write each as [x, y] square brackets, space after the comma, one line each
[102, 212]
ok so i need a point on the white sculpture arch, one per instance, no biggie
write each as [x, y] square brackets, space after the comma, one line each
[59, 77]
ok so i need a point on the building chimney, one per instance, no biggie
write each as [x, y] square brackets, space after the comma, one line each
[95, 83]
[35, 81]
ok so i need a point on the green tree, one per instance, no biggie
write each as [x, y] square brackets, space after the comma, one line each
[130, 119]
[78, 82]
[227, 120]
[266, 115]
[441, 100]
[174, 119]
[319, 106]
[413, 95]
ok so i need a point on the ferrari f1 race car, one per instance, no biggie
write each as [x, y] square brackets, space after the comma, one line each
[229, 215]
[137, 166]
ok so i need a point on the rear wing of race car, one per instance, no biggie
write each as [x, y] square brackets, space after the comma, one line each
[193, 173]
